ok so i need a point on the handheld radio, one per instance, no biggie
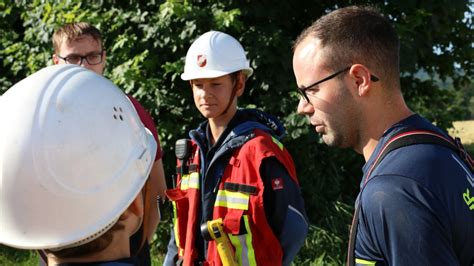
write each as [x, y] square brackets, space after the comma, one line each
[182, 150]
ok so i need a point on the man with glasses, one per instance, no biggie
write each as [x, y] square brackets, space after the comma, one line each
[414, 207]
[81, 43]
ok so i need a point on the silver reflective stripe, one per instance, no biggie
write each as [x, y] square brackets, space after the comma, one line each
[194, 180]
[190, 181]
[299, 213]
[233, 200]
[184, 182]
[244, 251]
[241, 249]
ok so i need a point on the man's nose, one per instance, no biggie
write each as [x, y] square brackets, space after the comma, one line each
[304, 107]
[204, 92]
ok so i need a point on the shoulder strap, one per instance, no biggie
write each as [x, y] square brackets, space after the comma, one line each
[411, 137]
[405, 138]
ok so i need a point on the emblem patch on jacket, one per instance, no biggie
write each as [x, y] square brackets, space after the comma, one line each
[277, 183]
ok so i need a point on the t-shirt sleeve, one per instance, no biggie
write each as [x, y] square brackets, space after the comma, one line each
[404, 222]
[147, 121]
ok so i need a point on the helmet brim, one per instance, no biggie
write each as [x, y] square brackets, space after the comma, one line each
[209, 74]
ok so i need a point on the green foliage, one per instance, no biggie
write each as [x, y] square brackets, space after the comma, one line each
[146, 42]
[11, 256]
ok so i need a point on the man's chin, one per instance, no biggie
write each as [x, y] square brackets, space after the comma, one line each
[330, 140]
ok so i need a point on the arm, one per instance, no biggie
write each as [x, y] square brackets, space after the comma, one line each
[172, 252]
[157, 175]
[158, 187]
[284, 208]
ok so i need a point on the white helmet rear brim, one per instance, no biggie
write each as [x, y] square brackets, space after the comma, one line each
[73, 156]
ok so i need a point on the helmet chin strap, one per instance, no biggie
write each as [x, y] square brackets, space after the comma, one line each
[232, 96]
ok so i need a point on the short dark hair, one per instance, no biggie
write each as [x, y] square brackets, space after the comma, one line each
[72, 31]
[358, 34]
[92, 247]
[235, 75]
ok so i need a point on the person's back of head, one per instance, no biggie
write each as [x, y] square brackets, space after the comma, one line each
[73, 161]
[358, 35]
[72, 31]
[84, 249]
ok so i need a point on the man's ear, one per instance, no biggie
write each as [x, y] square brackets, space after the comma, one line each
[241, 78]
[137, 206]
[55, 59]
[361, 78]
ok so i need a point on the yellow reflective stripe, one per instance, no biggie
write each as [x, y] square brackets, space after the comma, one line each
[277, 142]
[365, 262]
[184, 182]
[194, 180]
[175, 228]
[235, 240]
[190, 181]
[248, 237]
[244, 251]
[233, 200]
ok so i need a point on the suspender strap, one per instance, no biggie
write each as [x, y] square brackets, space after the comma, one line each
[404, 138]
[410, 137]
[352, 236]
[43, 258]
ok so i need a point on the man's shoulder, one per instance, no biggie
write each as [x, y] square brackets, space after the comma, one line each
[262, 140]
[423, 177]
[424, 163]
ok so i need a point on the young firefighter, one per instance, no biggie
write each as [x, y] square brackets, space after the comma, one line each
[74, 163]
[238, 170]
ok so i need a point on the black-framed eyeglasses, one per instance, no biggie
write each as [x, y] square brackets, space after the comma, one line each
[92, 59]
[303, 91]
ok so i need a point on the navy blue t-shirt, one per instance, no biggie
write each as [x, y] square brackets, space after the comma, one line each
[417, 207]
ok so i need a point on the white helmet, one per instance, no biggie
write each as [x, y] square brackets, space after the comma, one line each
[215, 54]
[73, 156]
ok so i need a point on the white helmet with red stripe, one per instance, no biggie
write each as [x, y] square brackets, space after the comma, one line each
[73, 156]
[215, 54]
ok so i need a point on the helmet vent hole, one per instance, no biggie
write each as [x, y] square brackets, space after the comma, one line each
[118, 110]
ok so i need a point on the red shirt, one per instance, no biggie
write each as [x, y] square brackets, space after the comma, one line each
[147, 121]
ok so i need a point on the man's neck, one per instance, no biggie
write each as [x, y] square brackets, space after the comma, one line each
[218, 125]
[378, 122]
